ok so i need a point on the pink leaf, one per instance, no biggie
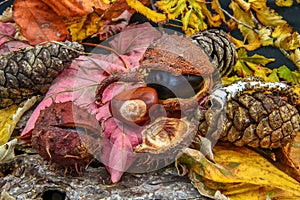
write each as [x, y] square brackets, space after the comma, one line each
[134, 38]
[79, 82]
[7, 31]
[12, 46]
[120, 158]
[8, 42]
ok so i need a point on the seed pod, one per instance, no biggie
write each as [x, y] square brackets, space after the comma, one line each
[257, 115]
[30, 71]
[162, 141]
[58, 139]
[218, 46]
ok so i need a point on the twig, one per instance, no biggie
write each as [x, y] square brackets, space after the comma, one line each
[3, 2]
[238, 21]
[285, 53]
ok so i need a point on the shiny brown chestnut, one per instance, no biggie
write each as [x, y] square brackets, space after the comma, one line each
[132, 106]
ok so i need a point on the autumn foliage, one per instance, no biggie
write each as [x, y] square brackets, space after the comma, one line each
[237, 172]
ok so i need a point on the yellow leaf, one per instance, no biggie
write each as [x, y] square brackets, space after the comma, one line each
[241, 44]
[196, 24]
[87, 26]
[9, 118]
[215, 5]
[172, 8]
[284, 3]
[213, 20]
[242, 70]
[6, 116]
[282, 30]
[266, 15]
[273, 77]
[295, 57]
[147, 12]
[229, 80]
[256, 59]
[238, 173]
[243, 4]
[285, 37]
[246, 18]
[265, 36]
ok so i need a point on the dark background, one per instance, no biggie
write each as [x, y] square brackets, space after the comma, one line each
[290, 14]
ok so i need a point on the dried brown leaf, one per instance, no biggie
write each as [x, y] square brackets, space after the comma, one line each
[38, 22]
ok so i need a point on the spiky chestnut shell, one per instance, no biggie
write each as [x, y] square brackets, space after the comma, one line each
[58, 139]
[255, 114]
[31, 70]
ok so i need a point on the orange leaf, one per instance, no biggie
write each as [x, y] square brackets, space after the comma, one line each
[75, 8]
[38, 22]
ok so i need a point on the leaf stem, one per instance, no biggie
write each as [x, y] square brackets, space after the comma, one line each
[109, 49]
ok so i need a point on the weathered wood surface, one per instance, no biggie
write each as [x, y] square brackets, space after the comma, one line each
[30, 179]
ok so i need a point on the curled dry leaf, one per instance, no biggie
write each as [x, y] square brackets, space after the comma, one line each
[38, 22]
[7, 151]
[7, 15]
[237, 176]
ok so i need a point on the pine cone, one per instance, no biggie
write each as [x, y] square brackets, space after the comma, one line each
[30, 71]
[262, 117]
[218, 46]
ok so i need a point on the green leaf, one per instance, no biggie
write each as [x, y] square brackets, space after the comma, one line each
[257, 59]
[273, 77]
[290, 76]
[186, 19]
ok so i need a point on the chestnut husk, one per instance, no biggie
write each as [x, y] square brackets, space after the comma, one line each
[63, 135]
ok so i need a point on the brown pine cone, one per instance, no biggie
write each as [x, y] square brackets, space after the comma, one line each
[218, 47]
[30, 71]
[256, 117]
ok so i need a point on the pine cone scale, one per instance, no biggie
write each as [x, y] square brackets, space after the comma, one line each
[30, 71]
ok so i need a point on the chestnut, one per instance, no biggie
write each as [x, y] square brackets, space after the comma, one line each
[168, 85]
[132, 106]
